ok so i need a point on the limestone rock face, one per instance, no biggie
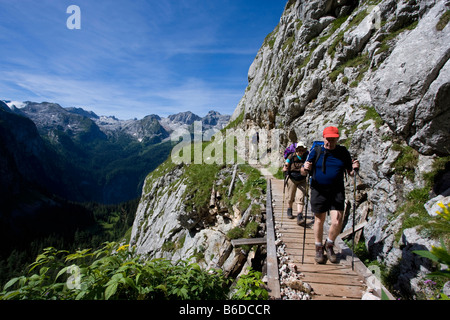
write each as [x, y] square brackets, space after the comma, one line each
[326, 58]
[410, 90]
[166, 227]
[378, 70]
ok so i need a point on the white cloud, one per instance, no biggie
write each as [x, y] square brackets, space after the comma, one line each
[111, 99]
[131, 59]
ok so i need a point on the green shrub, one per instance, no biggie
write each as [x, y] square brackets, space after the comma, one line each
[235, 233]
[113, 273]
[439, 255]
[406, 163]
[443, 21]
[250, 287]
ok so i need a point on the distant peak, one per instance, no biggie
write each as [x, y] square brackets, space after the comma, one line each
[83, 112]
[184, 117]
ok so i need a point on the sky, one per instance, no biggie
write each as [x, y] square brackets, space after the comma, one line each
[132, 58]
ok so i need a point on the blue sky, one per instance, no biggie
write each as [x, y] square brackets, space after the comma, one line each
[133, 58]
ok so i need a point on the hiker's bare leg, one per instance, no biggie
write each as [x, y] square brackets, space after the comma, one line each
[318, 226]
[336, 224]
[335, 229]
[318, 237]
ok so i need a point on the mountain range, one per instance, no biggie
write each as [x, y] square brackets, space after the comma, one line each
[49, 117]
[101, 158]
[52, 158]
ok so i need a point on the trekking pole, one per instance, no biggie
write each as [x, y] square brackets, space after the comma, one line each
[354, 213]
[306, 214]
[284, 191]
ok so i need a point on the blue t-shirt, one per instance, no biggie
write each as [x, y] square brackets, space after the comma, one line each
[336, 162]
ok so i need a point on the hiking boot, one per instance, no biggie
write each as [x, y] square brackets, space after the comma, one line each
[320, 258]
[330, 253]
[289, 213]
[301, 221]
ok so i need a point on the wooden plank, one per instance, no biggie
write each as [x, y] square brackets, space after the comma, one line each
[362, 219]
[332, 290]
[325, 268]
[245, 216]
[272, 259]
[212, 198]
[322, 297]
[329, 281]
[349, 232]
[232, 180]
[331, 278]
[363, 271]
[251, 241]
[296, 237]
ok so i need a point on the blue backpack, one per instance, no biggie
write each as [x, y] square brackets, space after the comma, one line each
[317, 145]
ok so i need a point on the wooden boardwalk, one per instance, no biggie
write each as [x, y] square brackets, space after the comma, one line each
[328, 281]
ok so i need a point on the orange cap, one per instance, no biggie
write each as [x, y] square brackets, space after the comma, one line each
[331, 132]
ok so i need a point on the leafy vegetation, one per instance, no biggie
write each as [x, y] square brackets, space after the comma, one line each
[414, 215]
[388, 37]
[115, 272]
[110, 222]
[361, 63]
[235, 122]
[271, 37]
[249, 231]
[440, 225]
[413, 208]
[406, 163]
[443, 21]
[200, 179]
[110, 273]
[251, 287]
[441, 256]
[372, 114]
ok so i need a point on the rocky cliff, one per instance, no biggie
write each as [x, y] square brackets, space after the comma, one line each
[378, 70]
[189, 211]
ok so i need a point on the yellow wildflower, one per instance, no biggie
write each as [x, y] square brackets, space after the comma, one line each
[445, 213]
[123, 247]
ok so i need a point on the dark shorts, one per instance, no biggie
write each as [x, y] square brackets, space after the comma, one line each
[327, 198]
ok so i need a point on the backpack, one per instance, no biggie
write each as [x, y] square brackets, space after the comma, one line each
[289, 150]
[317, 145]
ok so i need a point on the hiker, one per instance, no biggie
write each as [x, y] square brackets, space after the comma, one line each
[328, 190]
[296, 181]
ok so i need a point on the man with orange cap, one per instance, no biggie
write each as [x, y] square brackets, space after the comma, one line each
[327, 189]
